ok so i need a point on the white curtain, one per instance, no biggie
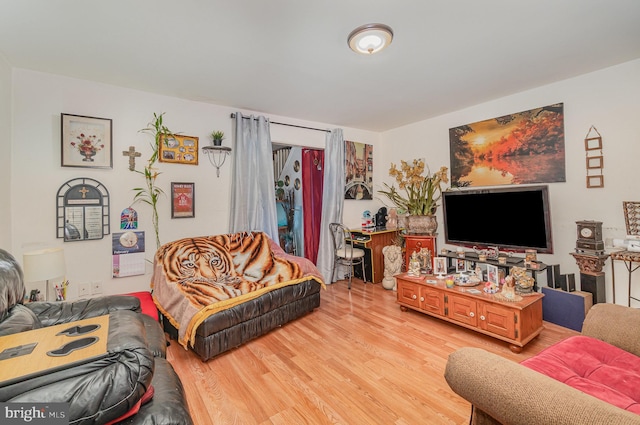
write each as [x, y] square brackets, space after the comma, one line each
[253, 196]
[332, 199]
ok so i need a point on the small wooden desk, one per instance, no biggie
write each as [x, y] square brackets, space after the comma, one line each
[38, 362]
[375, 240]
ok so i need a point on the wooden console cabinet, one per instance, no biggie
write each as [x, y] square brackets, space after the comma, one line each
[514, 322]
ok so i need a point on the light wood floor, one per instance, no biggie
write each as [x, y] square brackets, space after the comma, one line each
[357, 359]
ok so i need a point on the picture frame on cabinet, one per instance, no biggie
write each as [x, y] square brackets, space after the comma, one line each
[86, 142]
[492, 274]
[440, 265]
[461, 265]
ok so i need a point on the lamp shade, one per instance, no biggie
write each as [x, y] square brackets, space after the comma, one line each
[43, 264]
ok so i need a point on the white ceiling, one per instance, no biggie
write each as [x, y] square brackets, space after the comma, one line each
[290, 57]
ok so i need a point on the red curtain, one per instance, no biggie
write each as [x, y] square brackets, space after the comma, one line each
[312, 178]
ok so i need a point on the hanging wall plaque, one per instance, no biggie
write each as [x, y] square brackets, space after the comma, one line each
[82, 207]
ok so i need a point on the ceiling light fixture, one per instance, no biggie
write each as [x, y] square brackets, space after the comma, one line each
[370, 38]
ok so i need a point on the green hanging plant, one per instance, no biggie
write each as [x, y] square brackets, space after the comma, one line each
[150, 193]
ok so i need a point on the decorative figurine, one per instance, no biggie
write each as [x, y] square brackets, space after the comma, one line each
[508, 292]
[414, 265]
[392, 265]
[425, 261]
[392, 219]
[523, 282]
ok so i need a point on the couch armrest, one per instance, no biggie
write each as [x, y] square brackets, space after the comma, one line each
[615, 324]
[513, 394]
[53, 313]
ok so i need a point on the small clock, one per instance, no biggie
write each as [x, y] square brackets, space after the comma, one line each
[128, 239]
[589, 236]
[586, 232]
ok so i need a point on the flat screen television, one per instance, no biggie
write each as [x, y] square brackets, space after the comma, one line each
[513, 219]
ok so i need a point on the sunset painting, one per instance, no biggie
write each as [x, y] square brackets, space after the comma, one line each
[521, 148]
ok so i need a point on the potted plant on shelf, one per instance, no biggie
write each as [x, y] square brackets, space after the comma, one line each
[421, 194]
[217, 137]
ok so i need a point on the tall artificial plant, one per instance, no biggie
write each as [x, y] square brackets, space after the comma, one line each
[150, 193]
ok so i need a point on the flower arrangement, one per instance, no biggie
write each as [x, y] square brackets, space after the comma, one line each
[422, 191]
[88, 145]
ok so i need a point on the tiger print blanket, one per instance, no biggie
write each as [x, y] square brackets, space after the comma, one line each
[194, 278]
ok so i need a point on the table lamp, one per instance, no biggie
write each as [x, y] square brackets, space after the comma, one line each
[44, 265]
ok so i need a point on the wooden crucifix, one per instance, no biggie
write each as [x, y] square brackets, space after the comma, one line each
[132, 154]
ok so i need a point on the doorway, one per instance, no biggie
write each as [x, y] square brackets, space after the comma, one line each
[298, 174]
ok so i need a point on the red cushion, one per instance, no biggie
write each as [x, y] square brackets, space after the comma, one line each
[146, 303]
[146, 397]
[593, 367]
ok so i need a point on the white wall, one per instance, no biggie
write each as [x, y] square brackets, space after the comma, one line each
[5, 155]
[36, 175]
[608, 99]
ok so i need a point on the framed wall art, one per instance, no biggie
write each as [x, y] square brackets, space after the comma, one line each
[359, 170]
[179, 149]
[86, 142]
[183, 200]
[521, 148]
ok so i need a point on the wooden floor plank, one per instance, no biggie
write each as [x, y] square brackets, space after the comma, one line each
[355, 359]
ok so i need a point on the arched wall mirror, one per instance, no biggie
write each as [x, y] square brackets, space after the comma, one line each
[82, 207]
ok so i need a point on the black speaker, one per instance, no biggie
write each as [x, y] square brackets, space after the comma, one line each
[594, 285]
[568, 282]
[553, 276]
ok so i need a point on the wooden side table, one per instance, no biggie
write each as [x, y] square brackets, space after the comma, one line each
[373, 242]
[628, 258]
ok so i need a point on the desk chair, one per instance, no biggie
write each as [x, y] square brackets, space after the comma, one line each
[343, 251]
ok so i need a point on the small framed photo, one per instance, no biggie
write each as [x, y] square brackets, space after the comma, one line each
[492, 274]
[86, 142]
[595, 181]
[183, 200]
[593, 143]
[595, 162]
[440, 265]
[178, 149]
[471, 266]
[461, 265]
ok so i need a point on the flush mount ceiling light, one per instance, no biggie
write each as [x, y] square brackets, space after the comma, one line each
[370, 38]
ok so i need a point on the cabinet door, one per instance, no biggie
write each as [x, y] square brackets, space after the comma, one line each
[432, 300]
[408, 293]
[498, 319]
[462, 309]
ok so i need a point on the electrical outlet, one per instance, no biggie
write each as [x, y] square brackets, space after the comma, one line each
[96, 288]
[84, 290]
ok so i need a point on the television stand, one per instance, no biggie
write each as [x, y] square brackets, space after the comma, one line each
[516, 323]
[452, 257]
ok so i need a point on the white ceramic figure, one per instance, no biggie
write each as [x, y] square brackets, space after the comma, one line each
[392, 265]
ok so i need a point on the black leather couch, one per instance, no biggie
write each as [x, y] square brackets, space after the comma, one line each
[109, 386]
